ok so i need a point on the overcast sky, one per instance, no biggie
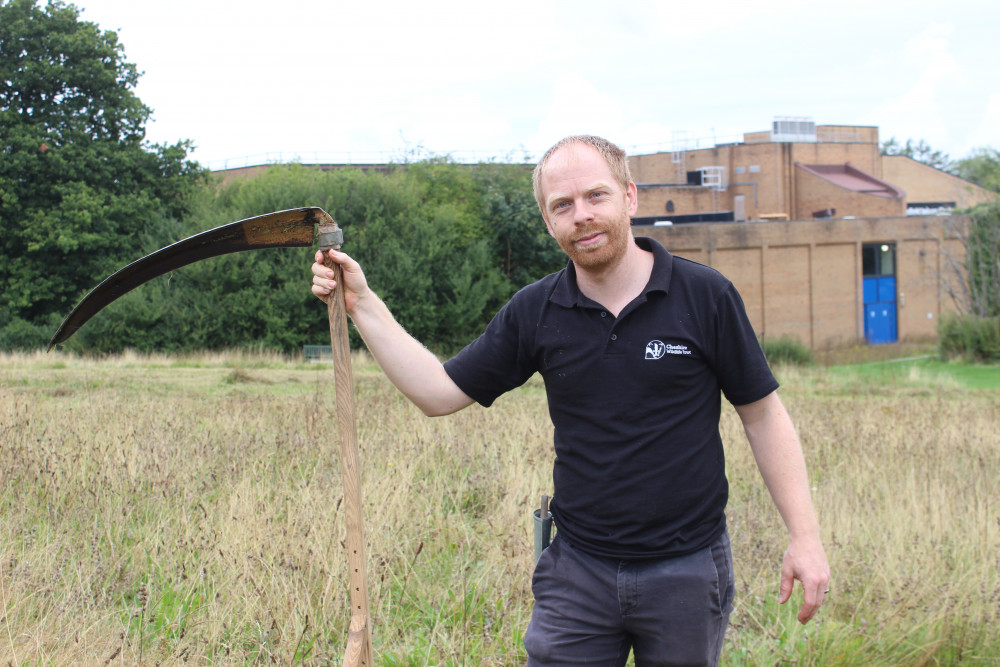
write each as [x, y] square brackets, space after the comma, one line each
[377, 80]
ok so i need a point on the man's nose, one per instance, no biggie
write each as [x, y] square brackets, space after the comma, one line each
[583, 213]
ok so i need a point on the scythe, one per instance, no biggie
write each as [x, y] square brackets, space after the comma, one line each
[282, 229]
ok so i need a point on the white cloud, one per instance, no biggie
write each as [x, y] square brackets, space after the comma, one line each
[987, 133]
[577, 106]
[931, 73]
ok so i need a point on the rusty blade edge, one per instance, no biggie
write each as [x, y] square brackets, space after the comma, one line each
[282, 229]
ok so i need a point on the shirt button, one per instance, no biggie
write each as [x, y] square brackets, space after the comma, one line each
[614, 336]
[603, 314]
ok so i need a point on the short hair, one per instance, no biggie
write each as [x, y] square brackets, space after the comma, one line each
[612, 154]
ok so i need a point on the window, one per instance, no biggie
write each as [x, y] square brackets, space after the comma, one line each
[878, 259]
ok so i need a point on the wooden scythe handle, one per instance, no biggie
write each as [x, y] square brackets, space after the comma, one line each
[359, 642]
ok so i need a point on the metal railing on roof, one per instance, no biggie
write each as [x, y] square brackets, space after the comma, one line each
[363, 158]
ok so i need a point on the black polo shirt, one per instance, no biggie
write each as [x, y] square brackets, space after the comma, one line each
[635, 400]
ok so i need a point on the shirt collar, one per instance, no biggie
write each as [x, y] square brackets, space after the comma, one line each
[567, 293]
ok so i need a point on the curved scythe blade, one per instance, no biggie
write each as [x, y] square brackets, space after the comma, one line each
[282, 229]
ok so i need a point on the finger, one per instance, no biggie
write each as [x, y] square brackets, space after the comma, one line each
[321, 293]
[806, 612]
[813, 598]
[320, 271]
[344, 260]
[324, 282]
[321, 267]
[787, 584]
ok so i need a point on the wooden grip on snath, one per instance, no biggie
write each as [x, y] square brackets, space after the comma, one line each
[359, 642]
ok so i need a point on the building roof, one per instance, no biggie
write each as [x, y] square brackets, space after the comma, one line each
[852, 178]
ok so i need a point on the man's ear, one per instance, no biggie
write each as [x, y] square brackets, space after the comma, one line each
[632, 199]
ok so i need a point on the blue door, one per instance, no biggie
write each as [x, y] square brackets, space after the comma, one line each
[878, 271]
[880, 309]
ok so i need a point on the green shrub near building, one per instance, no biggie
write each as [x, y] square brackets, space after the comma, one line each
[971, 338]
[786, 350]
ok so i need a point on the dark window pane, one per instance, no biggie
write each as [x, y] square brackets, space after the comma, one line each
[869, 259]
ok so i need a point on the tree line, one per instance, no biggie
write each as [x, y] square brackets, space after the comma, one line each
[82, 193]
[445, 245]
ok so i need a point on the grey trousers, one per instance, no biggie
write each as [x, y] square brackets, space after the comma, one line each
[591, 610]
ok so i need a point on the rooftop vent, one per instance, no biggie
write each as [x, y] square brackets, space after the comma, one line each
[789, 128]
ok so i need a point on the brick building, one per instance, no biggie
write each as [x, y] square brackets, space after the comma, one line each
[833, 282]
[827, 240]
[796, 171]
[929, 190]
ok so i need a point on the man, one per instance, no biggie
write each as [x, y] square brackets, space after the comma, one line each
[634, 346]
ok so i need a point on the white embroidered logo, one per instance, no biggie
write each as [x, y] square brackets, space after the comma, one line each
[656, 349]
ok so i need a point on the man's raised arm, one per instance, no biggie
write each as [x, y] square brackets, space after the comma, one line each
[409, 365]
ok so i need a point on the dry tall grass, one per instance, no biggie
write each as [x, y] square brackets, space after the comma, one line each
[154, 510]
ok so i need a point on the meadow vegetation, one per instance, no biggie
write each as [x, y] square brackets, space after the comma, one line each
[159, 509]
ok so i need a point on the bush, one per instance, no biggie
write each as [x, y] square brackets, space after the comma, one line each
[17, 334]
[982, 260]
[786, 350]
[968, 337]
[441, 243]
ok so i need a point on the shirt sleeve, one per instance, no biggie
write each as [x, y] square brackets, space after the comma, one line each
[496, 362]
[740, 364]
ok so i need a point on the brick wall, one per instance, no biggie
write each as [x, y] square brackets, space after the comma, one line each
[763, 173]
[814, 194]
[687, 200]
[927, 184]
[804, 278]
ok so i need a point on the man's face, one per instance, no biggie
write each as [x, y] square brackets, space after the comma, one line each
[585, 209]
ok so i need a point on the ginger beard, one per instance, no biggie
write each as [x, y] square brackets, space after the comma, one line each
[598, 244]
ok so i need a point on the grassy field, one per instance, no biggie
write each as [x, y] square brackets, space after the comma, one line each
[160, 510]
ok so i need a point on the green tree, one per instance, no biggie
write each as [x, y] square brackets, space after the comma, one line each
[974, 332]
[513, 225]
[982, 167]
[919, 151]
[413, 227]
[78, 182]
[982, 261]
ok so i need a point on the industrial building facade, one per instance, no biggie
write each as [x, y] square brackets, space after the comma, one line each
[833, 282]
[796, 171]
[827, 240]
